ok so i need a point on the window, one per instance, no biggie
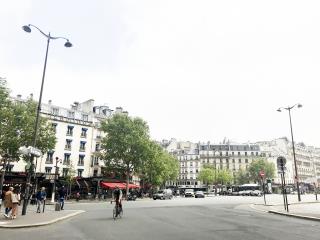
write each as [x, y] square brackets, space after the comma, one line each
[220, 153]
[245, 153]
[70, 130]
[95, 173]
[54, 127]
[81, 160]
[239, 160]
[238, 153]
[85, 117]
[71, 114]
[233, 160]
[246, 160]
[82, 146]
[68, 144]
[66, 160]
[221, 161]
[65, 172]
[49, 159]
[257, 153]
[80, 171]
[227, 154]
[48, 170]
[55, 111]
[84, 132]
[232, 153]
[97, 147]
[9, 167]
[252, 153]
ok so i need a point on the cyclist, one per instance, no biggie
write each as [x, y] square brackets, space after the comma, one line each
[117, 196]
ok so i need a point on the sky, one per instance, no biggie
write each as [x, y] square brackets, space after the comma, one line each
[193, 70]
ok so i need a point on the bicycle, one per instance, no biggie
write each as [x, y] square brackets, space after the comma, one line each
[117, 212]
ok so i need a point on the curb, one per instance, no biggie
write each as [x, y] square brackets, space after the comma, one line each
[295, 215]
[43, 223]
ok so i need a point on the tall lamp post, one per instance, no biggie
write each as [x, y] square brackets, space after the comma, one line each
[27, 28]
[298, 105]
[56, 173]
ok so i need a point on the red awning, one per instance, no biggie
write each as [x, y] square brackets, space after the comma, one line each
[112, 185]
[132, 185]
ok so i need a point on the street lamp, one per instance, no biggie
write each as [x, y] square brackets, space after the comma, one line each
[56, 173]
[27, 28]
[298, 105]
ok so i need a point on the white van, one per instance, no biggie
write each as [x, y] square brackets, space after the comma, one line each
[163, 194]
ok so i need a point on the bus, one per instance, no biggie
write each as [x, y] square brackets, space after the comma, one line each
[249, 189]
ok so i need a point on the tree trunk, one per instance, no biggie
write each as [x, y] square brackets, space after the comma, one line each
[127, 187]
[3, 173]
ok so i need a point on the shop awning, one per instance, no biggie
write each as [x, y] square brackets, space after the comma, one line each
[112, 185]
[133, 186]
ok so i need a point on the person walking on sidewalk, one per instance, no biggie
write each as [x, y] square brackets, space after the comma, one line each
[41, 199]
[15, 197]
[8, 202]
[62, 195]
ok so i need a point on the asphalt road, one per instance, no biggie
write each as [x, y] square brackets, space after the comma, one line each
[211, 218]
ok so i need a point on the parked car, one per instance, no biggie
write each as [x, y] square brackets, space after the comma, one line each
[199, 194]
[163, 194]
[256, 193]
[189, 193]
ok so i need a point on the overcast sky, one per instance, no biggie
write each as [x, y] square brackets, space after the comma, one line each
[194, 70]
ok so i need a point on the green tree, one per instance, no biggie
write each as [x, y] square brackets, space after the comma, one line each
[17, 121]
[224, 176]
[125, 144]
[261, 164]
[206, 175]
[70, 177]
[242, 177]
[158, 166]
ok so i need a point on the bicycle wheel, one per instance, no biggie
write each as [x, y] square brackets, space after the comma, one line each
[114, 214]
[120, 213]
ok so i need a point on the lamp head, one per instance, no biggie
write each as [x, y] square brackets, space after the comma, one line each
[279, 109]
[26, 28]
[68, 44]
[299, 105]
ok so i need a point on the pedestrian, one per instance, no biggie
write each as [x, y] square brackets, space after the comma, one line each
[41, 199]
[77, 196]
[2, 198]
[8, 202]
[15, 198]
[62, 195]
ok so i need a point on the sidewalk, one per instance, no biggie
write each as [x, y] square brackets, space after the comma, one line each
[305, 210]
[33, 219]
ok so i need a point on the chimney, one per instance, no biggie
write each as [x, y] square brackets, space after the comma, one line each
[49, 102]
[19, 96]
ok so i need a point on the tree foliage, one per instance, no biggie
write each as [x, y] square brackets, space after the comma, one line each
[242, 177]
[261, 164]
[127, 149]
[206, 175]
[125, 144]
[158, 166]
[17, 119]
[224, 176]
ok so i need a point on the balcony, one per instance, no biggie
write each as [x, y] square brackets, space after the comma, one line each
[82, 149]
[69, 134]
[80, 164]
